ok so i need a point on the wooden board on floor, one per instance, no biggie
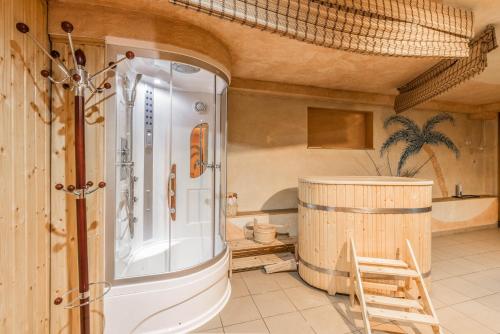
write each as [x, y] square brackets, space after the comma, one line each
[234, 232]
[248, 247]
[257, 262]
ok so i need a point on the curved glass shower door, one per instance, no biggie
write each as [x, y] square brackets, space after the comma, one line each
[169, 144]
[192, 154]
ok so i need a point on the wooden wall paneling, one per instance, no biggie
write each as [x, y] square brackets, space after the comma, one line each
[18, 172]
[63, 250]
[24, 171]
[6, 186]
[95, 142]
[42, 112]
[62, 206]
[29, 154]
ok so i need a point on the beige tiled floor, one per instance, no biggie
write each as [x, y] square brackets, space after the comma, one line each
[465, 292]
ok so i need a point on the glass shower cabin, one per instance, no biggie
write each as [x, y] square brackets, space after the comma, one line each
[165, 209]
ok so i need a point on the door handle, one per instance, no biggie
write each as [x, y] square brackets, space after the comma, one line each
[172, 185]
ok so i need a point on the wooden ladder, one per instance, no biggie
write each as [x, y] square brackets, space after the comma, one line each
[385, 285]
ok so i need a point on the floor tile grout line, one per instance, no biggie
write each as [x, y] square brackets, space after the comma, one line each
[468, 298]
[250, 294]
[489, 294]
[310, 308]
[469, 317]
[261, 317]
[487, 254]
[466, 317]
[329, 303]
[307, 321]
[461, 275]
[290, 300]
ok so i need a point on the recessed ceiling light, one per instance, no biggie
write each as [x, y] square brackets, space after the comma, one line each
[157, 81]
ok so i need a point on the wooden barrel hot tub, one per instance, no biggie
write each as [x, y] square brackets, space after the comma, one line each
[380, 213]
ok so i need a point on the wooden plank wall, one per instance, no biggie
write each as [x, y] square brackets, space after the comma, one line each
[24, 171]
[63, 240]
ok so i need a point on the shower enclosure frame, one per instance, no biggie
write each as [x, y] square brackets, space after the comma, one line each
[110, 146]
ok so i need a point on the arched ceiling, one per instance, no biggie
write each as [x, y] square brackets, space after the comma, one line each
[261, 55]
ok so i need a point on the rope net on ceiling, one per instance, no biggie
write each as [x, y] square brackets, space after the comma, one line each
[414, 28]
[447, 74]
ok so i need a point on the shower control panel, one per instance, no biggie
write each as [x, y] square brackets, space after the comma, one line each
[148, 163]
[148, 119]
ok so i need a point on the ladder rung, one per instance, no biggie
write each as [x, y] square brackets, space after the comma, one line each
[380, 313]
[394, 302]
[379, 286]
[388, 271]
[382, 262]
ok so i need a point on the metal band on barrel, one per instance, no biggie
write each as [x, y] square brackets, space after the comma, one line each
[338, 272]
[401, 211]
[324, 270]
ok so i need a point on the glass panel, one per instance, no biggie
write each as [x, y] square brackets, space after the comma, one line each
[143, 140]
[220, 175]
[192, 230]
[169, 144]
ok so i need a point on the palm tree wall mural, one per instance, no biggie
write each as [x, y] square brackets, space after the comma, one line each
[416, 139]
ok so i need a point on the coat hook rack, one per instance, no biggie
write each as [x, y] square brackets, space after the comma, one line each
[78, 80]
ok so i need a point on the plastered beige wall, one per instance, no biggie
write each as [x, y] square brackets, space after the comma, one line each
[267, 139]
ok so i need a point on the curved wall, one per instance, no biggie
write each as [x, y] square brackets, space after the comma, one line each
[136, 25]
[455, 214]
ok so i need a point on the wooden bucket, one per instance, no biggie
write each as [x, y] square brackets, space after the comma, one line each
[264, 233]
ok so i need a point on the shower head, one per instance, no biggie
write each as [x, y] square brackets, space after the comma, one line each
[185, 68]
[134, 87]
[138, 78]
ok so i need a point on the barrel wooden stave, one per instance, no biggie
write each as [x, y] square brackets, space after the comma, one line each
[324, 235]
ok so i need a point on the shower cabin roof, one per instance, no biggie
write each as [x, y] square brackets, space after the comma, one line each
[161, 73]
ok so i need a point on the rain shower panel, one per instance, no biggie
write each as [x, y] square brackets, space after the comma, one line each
[148, 164]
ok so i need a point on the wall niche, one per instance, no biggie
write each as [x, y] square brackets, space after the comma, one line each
[340, 129]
